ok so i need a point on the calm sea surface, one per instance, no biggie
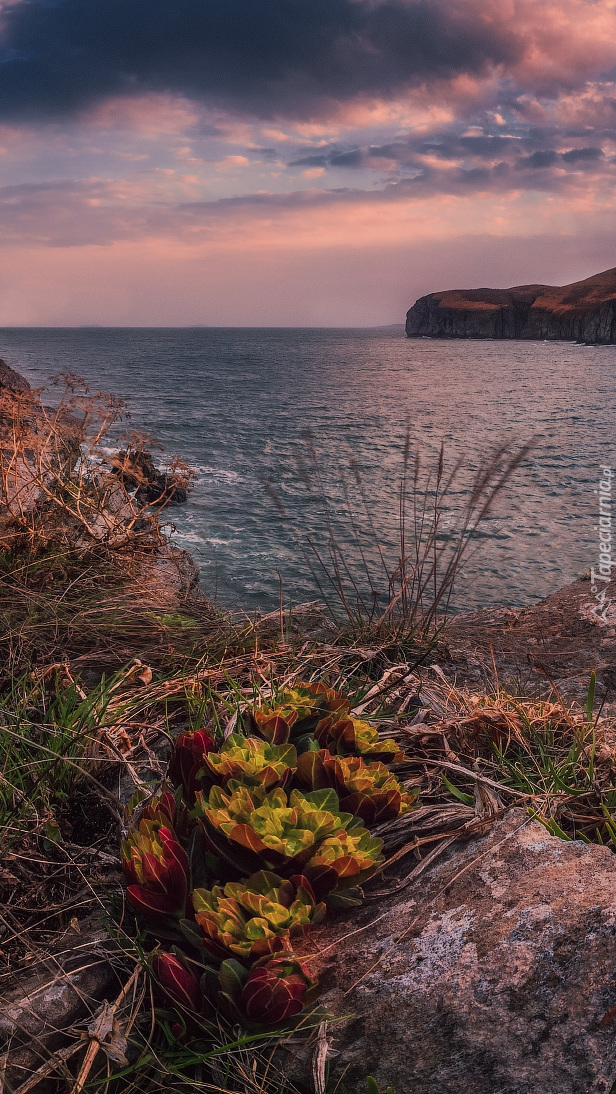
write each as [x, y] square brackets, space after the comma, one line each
[236, 404]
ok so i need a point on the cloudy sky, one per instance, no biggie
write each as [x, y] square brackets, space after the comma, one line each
[298, 162]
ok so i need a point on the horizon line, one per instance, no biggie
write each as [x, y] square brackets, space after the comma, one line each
[197, 326]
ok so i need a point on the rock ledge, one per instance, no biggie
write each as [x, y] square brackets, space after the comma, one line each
[495, 972]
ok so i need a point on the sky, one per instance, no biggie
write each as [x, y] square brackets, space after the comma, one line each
[298, 162]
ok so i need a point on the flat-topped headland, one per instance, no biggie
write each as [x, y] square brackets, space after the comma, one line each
[582, 312]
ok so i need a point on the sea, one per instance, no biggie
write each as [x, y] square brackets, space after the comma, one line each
[297, 439]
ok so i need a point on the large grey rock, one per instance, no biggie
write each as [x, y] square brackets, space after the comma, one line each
[559, 640]
[495, 973]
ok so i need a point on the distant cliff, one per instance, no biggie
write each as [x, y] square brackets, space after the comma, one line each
[582, 312]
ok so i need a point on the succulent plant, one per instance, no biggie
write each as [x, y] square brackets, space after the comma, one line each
[280, 830]
[256, 916]
[314, 709]
[166, 810]
[312, 701]
[306, 831]
[187, 758]
[352, 856]
[270, 724]
[296, 712]
[161, 809]
[250, 761]
[156, 867]
[283, 809]
[179, 985]
[276, 990]
[367, 790]
[343, 736]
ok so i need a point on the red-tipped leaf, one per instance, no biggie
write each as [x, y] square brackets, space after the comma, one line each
[177, 982]
[149, 903]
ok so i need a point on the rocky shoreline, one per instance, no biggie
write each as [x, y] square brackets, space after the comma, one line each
[492, 973]
[130, 491]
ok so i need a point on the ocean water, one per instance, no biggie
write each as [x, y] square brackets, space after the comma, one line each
[236, 404]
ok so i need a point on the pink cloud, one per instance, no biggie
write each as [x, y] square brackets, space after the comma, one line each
[148, 115]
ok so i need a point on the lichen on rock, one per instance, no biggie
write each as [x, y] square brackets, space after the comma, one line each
[496, 971]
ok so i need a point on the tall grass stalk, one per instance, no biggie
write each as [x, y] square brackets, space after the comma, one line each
[402, 590]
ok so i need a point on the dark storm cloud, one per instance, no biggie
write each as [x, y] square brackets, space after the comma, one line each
[577, 154]
[487, 146]
[353, 158]
[317, 160]
[409, 152]
[400, 151]
[265, 57]
[539, 159]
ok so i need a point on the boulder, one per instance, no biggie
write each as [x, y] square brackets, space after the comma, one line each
[38, 1016]
[493, 973]
[558, 641]
[137, 471]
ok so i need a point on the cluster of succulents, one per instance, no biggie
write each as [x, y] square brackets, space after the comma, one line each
[249, 843]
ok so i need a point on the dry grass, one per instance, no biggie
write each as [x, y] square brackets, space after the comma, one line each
[491, 751]
[398, 593]
[59, 485]
[95, 609]
[86, 575]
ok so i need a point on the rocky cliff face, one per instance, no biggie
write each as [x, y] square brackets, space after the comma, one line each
[582, 312]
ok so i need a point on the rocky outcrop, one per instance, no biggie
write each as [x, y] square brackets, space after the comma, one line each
[136, 471]
[11, 380]
[38, 1016]
[581, 312]
[493, 972]
[117, 504]
[557, 641]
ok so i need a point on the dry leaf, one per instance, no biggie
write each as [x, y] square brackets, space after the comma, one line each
[106, 1029]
